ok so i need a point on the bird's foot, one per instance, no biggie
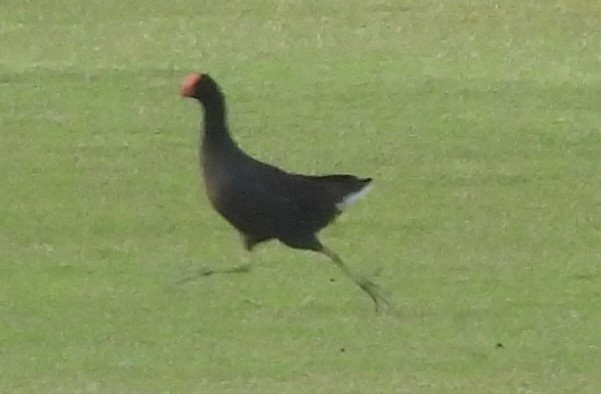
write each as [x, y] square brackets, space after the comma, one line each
[207, 271]
[195, 274]
[237, 270]
[375, 292]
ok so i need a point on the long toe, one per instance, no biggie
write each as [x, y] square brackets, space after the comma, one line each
[239, 269]
[197, 273]
[375, 292]
[204, 270]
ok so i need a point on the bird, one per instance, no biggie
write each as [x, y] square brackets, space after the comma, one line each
[263, 202]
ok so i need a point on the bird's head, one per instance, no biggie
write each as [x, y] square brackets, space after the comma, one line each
[200, 87]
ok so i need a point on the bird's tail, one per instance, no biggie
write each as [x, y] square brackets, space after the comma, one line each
[342, 189]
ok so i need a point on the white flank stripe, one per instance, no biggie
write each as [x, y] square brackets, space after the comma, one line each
[352, 198]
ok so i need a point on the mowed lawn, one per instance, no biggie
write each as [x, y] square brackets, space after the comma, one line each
[479, 120]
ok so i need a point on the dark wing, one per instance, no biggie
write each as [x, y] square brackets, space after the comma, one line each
[268, 202]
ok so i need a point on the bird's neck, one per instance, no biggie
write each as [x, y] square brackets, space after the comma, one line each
[215, 124]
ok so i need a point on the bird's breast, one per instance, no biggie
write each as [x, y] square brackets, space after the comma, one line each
[216, 180]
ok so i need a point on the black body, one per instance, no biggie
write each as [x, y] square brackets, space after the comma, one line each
[261, 201]
[264, 202]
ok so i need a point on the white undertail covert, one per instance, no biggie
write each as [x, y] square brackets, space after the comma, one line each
[352, 198]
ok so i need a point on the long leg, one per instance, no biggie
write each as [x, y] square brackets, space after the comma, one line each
[372, 289]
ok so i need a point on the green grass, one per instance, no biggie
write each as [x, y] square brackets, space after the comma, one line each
[479, 121]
